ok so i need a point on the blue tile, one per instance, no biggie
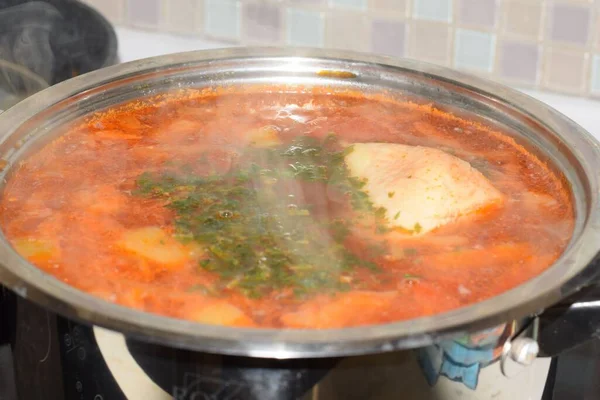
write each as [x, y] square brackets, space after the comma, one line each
[433, 10]
[305, 28]
[596, 74]
[474, 50]
[310, 2]
[356, 4]
[222, 18]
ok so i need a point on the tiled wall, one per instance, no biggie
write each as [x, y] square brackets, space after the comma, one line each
[551, 44]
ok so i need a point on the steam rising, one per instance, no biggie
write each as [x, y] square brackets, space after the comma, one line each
[44, 43]
[26, 54]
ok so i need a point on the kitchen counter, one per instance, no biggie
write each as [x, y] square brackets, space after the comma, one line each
[135, 44]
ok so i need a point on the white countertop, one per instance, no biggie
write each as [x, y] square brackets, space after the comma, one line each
[135, 44]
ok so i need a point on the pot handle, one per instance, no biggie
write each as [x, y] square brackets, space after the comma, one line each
[575, 320]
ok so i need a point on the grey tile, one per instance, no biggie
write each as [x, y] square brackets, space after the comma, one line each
[596, 25]
[305, 28]
[477, 12]
[518, 61]
[388, 37]
[396, 7]
[262, 22]
[564, 70]
[522, 18]
[347, 31]
[570, 23]
[182, 15]
[143, 12]
[430, 41]
[596, 74]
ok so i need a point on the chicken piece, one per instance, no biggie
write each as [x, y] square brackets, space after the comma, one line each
[421, 188]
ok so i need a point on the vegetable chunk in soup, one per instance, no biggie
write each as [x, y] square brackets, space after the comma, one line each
[277, 207]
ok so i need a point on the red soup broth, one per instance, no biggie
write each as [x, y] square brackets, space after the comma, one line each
[152, 205]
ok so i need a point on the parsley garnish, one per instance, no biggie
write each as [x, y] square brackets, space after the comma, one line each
[256, 239]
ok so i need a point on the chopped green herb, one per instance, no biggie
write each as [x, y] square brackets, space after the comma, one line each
[339, 230]
[377, 250]
[198, 288]
[256, 240]
[397, 215]
[381, 229]
[206, 290]
[391, 194]
[412, 277]
[380, 212]
[417, 228]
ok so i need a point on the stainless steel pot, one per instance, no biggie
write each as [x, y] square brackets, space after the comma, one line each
[556, 139]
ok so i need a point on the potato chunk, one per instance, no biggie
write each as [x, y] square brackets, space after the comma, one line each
[35, 249]
[265, 136]
[220, 313]
[155, 245]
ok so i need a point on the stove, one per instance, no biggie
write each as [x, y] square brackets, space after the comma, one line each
[45, 356]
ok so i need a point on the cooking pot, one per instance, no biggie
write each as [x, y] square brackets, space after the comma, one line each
[507, 331]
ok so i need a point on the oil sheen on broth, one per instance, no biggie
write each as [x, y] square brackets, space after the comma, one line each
[273, 207]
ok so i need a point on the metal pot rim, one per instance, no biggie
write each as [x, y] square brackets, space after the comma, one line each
[568, 274]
